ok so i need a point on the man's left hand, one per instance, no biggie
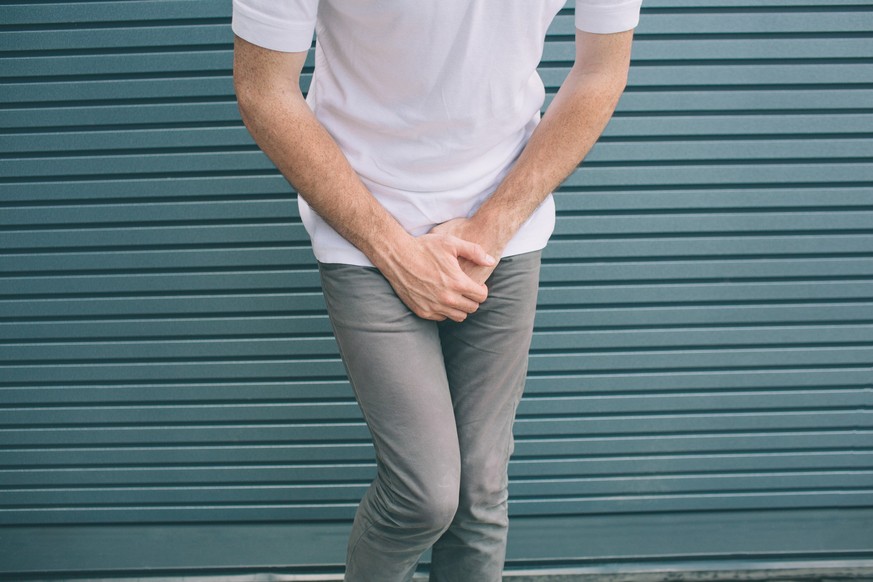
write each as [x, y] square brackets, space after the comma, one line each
[464, 228]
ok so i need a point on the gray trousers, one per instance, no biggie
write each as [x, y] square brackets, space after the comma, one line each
[439, 399]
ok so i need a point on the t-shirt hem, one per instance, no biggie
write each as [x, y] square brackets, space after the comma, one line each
[533, 235]
[345, 256]
[608, 19]
[273, 35]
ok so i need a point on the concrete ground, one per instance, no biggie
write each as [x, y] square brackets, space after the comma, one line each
[817, 574]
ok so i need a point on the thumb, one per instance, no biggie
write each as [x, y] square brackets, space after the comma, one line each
[473, 252]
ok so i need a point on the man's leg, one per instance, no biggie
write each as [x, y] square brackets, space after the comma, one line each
[395, 364]
[486, 361]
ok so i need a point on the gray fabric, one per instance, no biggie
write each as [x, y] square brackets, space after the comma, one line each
[439, 399]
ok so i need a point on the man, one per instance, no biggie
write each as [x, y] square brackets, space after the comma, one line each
[424, 176]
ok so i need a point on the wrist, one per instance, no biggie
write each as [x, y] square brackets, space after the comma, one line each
[388, 248]
[490, 230]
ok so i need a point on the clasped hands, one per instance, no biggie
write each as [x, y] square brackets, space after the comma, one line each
[443, 273]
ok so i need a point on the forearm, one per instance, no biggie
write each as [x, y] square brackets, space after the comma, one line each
[425, 270]
[287, 131]
[568, 130]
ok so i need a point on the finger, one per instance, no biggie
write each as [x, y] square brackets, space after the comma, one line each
[451, 305]
[477, 293]
[466, 304]
[464, 288]
[472, 252]
[434, 317]
[457, 316]
[442, 314]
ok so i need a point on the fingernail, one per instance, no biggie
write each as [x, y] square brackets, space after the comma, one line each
[491, 260]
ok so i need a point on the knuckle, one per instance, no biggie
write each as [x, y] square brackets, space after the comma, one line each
[431, 315]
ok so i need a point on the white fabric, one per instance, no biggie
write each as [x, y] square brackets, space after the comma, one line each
[431, 101]
[606, 16]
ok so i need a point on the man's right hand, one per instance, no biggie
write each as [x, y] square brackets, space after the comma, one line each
[426, 274]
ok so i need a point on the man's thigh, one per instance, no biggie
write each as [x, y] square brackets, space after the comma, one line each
[492, 344]
[486, 361]
[394, 362]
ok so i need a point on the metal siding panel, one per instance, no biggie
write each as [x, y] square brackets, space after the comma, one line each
[703, 342]
[150, 550]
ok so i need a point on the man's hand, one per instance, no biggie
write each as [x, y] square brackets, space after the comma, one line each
[568, 129]
[428, 278]
[424, 271]
[465, 229]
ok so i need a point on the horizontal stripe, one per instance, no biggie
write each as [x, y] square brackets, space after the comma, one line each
[702, 344]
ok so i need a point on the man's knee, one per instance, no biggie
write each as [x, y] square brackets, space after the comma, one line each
[424, 509]
[437, 514]
[432, 510]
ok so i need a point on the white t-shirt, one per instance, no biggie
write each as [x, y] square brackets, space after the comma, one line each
[430, 101]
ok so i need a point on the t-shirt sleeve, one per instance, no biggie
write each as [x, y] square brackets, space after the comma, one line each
[607, 16]
[279, 25]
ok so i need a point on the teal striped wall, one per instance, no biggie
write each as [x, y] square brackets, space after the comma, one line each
[701, 377]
